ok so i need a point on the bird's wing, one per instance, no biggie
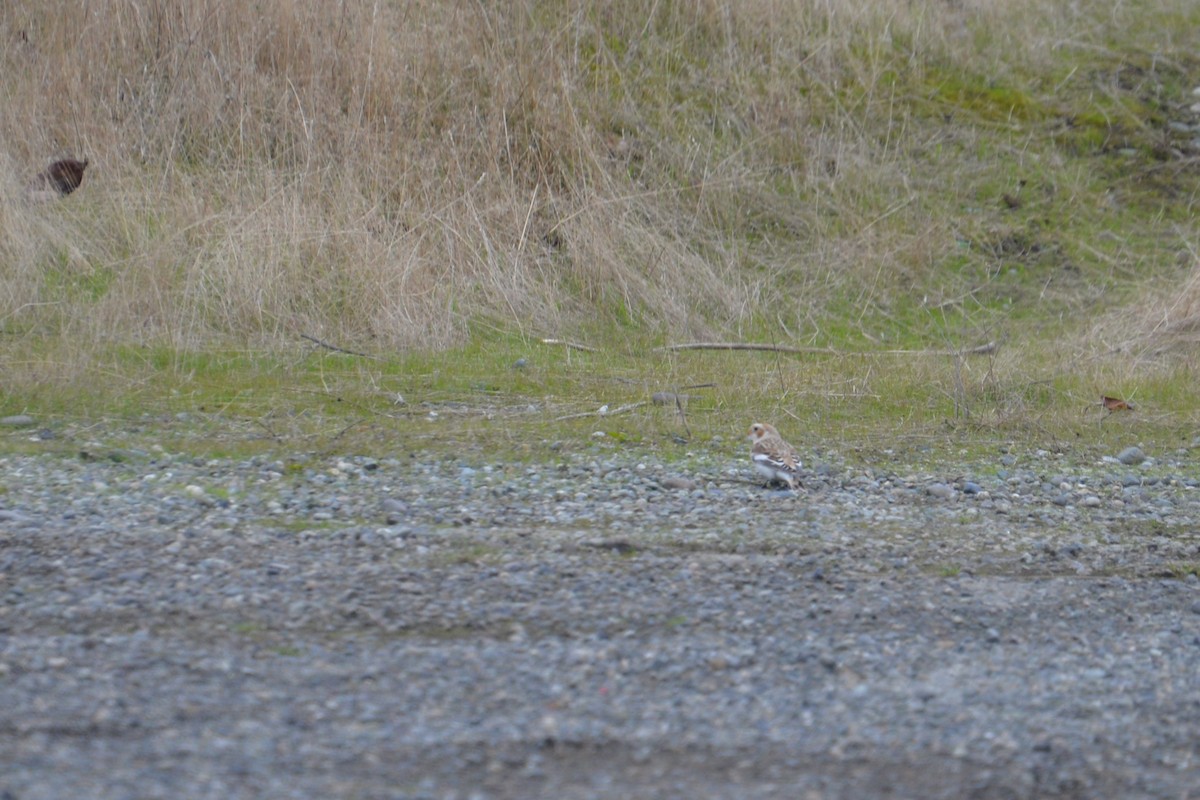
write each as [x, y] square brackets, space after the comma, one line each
[776, 457]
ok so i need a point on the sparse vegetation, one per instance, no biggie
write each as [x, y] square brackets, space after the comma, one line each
[443, 184]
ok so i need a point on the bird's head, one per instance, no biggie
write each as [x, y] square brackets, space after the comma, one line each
[758, 430]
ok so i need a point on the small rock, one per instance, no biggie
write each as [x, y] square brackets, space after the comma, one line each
[520, 363]
[675, 482]
[939, 490]
[618, 546]
[12, 516]
[120, 455]
[1131, 455]
[1090, 501]
[970, 487]
[16, 421]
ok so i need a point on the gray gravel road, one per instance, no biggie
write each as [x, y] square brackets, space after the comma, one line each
[597, 628]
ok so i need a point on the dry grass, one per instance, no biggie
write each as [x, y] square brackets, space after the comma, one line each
[409, 175]
[1162, 328]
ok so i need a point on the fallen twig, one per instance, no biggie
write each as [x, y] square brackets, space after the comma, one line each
[777, 348]
[603, 411]
[335, 348]
[682, 415]
[662, 398]
[571, 345]
[982, 349]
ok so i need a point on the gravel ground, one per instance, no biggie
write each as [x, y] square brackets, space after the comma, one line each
[597, 627]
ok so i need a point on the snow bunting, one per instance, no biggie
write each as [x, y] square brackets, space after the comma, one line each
[772, 456]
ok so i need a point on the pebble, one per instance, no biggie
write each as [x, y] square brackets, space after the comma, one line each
[939, 490]
[1131, 456]
[14, 517]
[524, 615]
[16, 421]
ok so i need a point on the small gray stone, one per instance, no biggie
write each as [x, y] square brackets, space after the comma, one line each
[939, 490]
[1131, 455]
[518, 606]
[16, 421]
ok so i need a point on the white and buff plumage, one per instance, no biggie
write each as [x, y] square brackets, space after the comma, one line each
[774, 458]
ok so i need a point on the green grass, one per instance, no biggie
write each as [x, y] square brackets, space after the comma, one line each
[1183, 569]
[476, 401]
[627, 177]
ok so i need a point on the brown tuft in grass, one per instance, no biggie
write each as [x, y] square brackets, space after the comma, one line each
[61, 178]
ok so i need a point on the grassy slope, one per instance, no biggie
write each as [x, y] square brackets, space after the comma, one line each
[443, 186]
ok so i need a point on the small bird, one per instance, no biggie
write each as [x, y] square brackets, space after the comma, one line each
[60, 179]
[1116, 404]
[774, 458]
